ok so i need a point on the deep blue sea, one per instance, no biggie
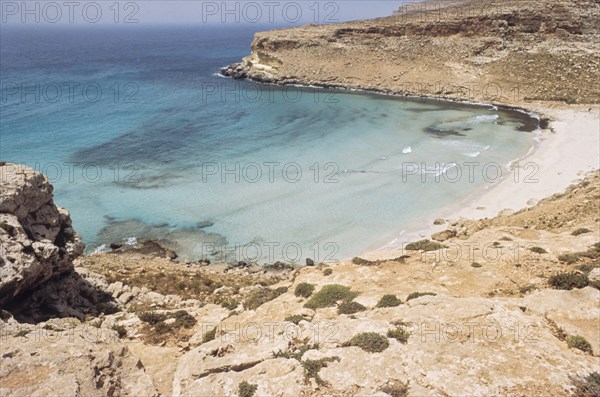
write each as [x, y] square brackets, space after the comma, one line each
[142, 139]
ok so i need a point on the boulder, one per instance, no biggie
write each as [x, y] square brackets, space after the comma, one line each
[444, 235]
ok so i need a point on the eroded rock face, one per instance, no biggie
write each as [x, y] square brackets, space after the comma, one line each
[37, 241]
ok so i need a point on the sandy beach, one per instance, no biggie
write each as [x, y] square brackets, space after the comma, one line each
[566, 152]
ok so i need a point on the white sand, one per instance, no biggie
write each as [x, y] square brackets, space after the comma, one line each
[563, 156]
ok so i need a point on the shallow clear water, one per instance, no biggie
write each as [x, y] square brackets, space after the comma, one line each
[171, 150]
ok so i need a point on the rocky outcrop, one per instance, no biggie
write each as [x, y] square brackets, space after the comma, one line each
[36, 237]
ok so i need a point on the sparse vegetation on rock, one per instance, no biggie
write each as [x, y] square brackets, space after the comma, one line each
[389, 300]
[587, 386]
[350, 307]
[425, 245]
[580, 231]
[262, 296]
[329, 295]
[304, 290]
[579, 342]
[538, 250]
[371, 342]
[396, 389]
[399, 333]
[416, 295]
[568, 281]
[328, 272]
[246, 389]
[296, 318]
[312, 368]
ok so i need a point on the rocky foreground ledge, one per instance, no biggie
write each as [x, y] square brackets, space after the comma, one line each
[522, 320]
[492, 51]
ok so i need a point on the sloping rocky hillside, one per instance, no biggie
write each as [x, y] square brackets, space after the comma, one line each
[503, 306]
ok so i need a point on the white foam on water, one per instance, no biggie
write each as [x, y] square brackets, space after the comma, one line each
[483, 118]
[101, 249]
[407, 150]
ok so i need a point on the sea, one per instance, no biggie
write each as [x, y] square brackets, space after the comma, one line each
[143, 139]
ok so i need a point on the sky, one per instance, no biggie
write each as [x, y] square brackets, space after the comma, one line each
[151, 12]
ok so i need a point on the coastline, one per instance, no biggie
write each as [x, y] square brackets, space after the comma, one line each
[532, 177]
[535, 179]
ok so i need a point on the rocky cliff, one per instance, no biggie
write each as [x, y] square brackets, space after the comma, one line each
[475, 50]
[36, 237]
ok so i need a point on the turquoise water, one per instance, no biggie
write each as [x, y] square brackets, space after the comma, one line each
[171, 150]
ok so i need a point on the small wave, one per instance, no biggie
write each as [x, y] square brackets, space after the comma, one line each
[484, 118]
[472, 154]
[131, 241]
[100, 249]
[407, 150]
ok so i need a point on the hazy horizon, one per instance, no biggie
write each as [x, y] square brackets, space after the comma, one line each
[198, 13]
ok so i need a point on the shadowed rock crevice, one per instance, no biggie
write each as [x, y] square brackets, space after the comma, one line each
[67, 295]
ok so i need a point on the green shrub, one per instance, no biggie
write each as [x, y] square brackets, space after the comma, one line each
[329, 295]
[2, 163]
[389, 300]
[246, 389]
[121, 330]
[504, 238]
[371, 342]
[475, 264]
[312, 368]
[568, 281]
[327, 272]
[425, 245]
[304, 290]
[296, 318]
[538, 250]
[579, 342]
[210, 335]
[416, 295]
[581, 230]
[587, 386]
[569, 258]
[396, 390]
[399, 333]
[350, 307]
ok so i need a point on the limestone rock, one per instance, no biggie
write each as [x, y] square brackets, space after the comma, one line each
[594, 277]
[444, 235]
[37, 240]
[69, 360]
